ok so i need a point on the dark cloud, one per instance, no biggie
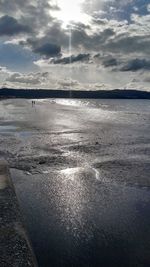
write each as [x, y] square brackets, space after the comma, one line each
[34, 14]
[48, 50]
[79, 37]
[99, 21]
[110, 62]
[107, 60]
[37, 14]
[124, 43]
[55, 34]
[50, 44]
[10, 26]
[94, 41]
[72, 59]
[136, 64]
[11, 7]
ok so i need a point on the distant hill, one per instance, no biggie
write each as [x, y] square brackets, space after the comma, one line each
[44, 93]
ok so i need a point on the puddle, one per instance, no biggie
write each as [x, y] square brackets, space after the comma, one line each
[24, 134]
[3, 182]
[7, 128]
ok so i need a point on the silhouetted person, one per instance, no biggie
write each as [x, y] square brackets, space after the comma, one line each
[33, 103]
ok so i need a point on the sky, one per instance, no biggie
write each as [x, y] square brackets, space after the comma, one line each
[75, 44]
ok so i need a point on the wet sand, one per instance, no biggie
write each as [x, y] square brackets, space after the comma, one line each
[81, 172]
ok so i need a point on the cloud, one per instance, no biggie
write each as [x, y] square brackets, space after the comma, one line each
[100, 21]
[31, 78]
[82, 37]
[108, 8]
[48, 50]
[101, 34]
[146, 79]
[136, 64]
[72, 59]
[110, 62]
[10, 26]
[67, 83]
[128, 44]
[113, 37]
[49, 45]
[4, 70]
[148, 7]
[29, 12]
[90, 41]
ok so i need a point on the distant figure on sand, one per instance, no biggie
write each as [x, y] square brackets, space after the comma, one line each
[33, 103]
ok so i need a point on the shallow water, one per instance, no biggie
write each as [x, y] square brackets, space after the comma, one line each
[81, 171]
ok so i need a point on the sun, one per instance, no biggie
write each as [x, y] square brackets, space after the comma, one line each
[70, 10]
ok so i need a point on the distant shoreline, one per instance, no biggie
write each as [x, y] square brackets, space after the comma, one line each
[6, 93]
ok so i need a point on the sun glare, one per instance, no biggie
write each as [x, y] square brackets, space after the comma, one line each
[70, 10]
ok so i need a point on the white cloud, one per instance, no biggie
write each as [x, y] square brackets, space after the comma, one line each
[28, 79]
[148, 7]
[4, 70]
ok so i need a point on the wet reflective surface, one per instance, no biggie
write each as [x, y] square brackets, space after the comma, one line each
[81, 171]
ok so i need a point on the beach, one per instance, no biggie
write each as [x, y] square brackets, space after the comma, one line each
[81, 173]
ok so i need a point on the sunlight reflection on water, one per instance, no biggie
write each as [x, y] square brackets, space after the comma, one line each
[7, 128]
